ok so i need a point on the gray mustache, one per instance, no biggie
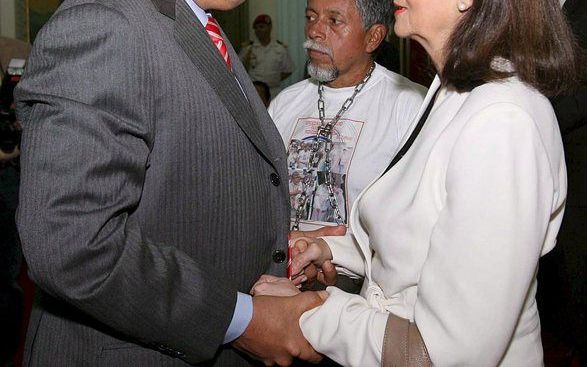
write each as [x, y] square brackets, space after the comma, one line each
[313, 45]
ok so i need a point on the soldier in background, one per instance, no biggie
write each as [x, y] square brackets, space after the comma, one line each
[266, 60]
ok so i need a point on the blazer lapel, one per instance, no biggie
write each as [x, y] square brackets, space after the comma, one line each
[196, 43]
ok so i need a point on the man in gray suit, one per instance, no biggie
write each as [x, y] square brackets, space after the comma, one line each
[152, 194]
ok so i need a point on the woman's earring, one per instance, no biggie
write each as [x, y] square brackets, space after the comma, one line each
[461, 6]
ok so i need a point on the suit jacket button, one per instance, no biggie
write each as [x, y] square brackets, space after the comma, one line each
[275, 180]
[279, 256]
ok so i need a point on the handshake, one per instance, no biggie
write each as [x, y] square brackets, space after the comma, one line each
[274, 336]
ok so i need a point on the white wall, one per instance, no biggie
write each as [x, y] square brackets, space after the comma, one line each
[291, 17]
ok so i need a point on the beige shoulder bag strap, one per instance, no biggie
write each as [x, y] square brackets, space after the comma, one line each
[403, 345]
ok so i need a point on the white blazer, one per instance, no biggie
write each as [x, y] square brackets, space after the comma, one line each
[451, 236]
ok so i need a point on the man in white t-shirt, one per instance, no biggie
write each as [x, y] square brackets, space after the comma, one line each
[342, 39]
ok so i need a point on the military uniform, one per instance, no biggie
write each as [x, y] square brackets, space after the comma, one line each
[267, 63]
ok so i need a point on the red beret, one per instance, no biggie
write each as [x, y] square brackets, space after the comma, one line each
[262, 18]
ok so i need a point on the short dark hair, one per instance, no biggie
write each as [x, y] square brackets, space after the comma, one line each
[532, 34]
[375, 12]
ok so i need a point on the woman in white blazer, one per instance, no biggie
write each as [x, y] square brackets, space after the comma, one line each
[448, 239]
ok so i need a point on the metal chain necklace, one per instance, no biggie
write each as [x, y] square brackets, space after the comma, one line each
[324, 136]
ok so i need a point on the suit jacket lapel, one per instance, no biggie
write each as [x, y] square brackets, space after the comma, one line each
[196, 43]
[269, 130]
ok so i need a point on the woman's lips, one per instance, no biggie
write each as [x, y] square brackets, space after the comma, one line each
[399, 9]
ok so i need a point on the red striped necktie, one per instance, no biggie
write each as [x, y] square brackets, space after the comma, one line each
[215, 34]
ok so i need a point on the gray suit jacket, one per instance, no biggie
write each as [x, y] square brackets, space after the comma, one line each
[151, 187]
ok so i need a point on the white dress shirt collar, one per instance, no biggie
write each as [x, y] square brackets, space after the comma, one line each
[200, 13]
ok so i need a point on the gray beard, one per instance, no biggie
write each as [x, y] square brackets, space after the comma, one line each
[323, 75]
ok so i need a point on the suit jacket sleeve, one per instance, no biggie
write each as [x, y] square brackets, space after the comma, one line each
[87, 135]
[346, 255]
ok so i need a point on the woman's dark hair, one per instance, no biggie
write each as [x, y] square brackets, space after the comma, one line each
[532, 34]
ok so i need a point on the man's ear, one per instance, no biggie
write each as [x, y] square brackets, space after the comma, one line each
[374, 36]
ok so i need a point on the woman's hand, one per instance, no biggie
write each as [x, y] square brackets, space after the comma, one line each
[308, 254]
[269, 285]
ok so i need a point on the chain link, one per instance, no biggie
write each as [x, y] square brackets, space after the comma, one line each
[324, 133]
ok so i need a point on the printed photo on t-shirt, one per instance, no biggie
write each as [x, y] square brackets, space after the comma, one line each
[313, 162]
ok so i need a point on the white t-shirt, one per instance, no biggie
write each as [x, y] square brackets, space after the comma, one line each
[364, 140]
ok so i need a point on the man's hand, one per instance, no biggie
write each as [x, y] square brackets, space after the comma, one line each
[274, 335]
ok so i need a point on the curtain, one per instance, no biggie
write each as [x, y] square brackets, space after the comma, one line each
[235, 24]
[291, 20]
